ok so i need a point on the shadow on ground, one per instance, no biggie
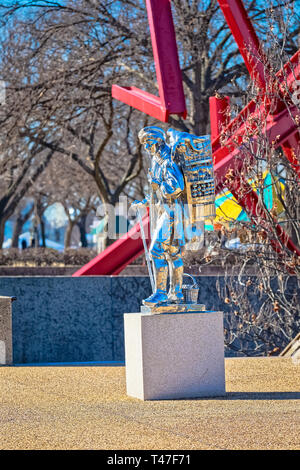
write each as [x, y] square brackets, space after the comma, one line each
[259, 396]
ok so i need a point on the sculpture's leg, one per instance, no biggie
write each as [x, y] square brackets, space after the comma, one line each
[176, 274]
[160, 268]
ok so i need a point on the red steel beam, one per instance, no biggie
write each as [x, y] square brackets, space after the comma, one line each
[247, 197]
[171, 98]
[281, 128]
[278, 130]
[286, 78]
[244, 34]
[243, 31]
[288, 131]
[141, 100]
[117, 256]
[219, 109]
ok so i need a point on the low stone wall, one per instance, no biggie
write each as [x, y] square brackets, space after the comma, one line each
[129, 271]
[65, 319]
[7, 271]
[5, 330]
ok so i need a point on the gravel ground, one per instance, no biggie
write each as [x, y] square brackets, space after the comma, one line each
[87, 408]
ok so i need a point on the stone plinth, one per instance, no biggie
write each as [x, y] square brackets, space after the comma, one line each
[5, 330]
[174, 355]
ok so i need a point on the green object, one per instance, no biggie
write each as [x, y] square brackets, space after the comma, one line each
[100, 227]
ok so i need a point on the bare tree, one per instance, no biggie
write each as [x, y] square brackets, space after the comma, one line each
[59, 61]
[18, 173]
[263, 296]
[21, 218]
[67, 65]
[209, 58]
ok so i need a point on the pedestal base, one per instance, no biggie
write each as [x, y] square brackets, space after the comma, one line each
[173, 308]
[174, 355]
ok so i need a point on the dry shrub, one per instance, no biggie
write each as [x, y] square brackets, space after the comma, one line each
[45, 257]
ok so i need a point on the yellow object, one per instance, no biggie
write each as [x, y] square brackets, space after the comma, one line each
[228, 209]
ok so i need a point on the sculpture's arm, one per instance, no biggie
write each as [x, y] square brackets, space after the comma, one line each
[143, 203]
[173, 182]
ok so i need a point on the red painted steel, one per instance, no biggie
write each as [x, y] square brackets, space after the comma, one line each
[244, 34]
[118, 255]
[141, 100]
[219, 109]
[247, 197]
[291, 148]
[286, 78]
[278, 130]
[242, 29]
[171, 98]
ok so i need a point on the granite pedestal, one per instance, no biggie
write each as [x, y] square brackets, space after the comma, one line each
[5, 330]
[174, 355]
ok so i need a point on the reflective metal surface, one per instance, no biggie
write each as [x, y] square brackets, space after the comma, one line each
[173, 308]
[182, 196]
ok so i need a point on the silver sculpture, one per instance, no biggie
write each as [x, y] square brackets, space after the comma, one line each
[181, 198]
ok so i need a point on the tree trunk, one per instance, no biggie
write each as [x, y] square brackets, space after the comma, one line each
[40, 209]
[68, 234]
[293, 214]
[17, 231]
[2, 228]
[201, 118]
[43, 232]
[82, 229]
[20, 221]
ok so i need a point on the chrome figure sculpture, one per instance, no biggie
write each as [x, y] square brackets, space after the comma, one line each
[181, 198]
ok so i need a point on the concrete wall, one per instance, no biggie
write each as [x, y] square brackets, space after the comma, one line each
[65, 319]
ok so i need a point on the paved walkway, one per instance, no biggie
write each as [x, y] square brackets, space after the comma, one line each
[87, 408]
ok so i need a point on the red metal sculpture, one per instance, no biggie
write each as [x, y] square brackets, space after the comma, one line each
[171, 96]
[281, 125]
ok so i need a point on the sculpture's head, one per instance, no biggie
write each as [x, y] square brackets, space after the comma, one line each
[174, 136]
[152, 138]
